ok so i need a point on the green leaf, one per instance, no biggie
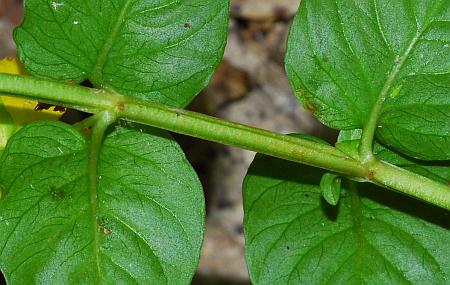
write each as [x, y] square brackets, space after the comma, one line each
[164, 51]
[346, 57]
[348, 142]
[330, 184]
[371, 237]
[417, 122]
[143, 224]
[349, 135]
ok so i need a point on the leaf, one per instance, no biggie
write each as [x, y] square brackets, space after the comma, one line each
[371, 237]
[417, 122]
[330, 185]
[164, 51]
[345, 56]
[143, 224]
[16, 111]
[348, 135]
[348, 142]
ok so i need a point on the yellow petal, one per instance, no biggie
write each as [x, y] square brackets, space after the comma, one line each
[21, 110]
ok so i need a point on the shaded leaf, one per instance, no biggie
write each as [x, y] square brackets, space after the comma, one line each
[371, 237]
[142, 223]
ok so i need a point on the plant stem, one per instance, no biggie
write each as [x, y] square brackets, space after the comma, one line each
[183, 122]
[409, 183]
[217, 130]
[105, 119]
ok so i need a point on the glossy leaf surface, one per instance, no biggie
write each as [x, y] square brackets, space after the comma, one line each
[164, 51]
[141, 223]
[346, 56]
[417, 122]
[373, 237]
[330, 184]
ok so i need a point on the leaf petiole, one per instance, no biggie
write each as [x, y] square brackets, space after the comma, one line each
[102, 121]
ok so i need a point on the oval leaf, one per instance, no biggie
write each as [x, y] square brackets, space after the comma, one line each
[164, 51]
[345, 56]
[372, 237]
[330, 184]
[142, 223]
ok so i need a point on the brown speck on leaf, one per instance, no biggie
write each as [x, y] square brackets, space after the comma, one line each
[87, 131]
[310, 107]
[72, 82]
[371, 174]
[106, 231]
[120, 106]
[187, 25]
[57, 193]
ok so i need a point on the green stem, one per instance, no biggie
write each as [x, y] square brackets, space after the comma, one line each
[411, 184]
[105, 119]
[217, 130]
[182, 121]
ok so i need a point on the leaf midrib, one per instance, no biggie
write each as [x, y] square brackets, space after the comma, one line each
[357, 215]
[400, 61]
[370, 127]
[96, 75]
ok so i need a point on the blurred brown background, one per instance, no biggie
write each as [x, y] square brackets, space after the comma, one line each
[250, 86]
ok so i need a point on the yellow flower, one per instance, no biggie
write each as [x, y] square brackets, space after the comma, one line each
[15, 111]
[22, 110]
